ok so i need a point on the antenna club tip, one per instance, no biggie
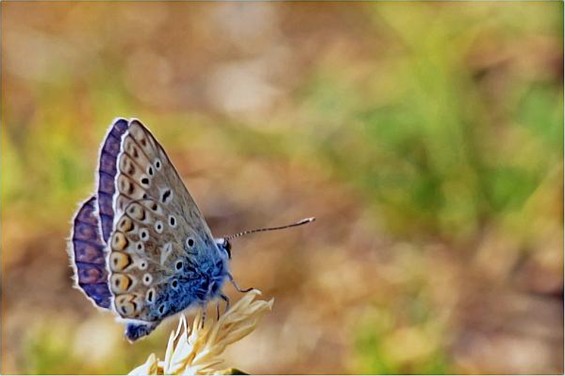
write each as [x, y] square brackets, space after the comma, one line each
[308, 220]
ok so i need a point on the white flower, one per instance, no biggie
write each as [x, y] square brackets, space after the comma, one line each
[197, 351]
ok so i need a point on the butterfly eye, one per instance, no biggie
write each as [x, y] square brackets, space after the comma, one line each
[157, 164]
[190, 242]
[227, 247]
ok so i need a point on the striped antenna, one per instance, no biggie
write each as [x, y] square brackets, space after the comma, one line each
[299, 223]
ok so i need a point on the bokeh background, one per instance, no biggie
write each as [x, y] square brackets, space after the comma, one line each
[426, 137]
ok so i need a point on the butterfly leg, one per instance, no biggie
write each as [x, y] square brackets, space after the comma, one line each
[227, 300]
[237, 287]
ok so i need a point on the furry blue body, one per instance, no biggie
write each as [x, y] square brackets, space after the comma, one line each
[196, 287]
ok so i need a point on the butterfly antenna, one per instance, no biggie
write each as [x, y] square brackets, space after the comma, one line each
[299, 223]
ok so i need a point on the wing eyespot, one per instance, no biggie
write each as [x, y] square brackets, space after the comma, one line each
[125, 224]
[129, 167]
[119, 261]
[190, 242]
[172, 221]
[159, 226]
[136, 211]
[120, 283]
[147, 279]
[166, 196]
[150, 296]
[119, 241]
[144, 235]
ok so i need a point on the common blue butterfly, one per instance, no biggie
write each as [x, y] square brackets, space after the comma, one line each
[139, 245]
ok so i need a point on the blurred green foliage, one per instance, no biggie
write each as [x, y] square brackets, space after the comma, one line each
[439, 155]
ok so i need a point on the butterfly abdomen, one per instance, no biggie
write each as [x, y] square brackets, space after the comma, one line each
[134, 331]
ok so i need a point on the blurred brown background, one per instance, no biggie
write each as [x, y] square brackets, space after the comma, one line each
[426, 137]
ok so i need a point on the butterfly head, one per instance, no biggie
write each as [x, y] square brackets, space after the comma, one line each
[224, 245]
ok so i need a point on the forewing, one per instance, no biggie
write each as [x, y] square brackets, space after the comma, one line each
[145, 171]
[154, 269]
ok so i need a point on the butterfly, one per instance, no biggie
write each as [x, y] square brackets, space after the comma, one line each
[139, 246]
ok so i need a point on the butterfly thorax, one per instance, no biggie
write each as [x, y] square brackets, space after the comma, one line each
[216, 274]
[200, 280]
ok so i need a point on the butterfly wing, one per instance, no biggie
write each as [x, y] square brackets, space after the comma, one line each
[162, 254]
[88, 255]
[145, 171]
[107, 170]
[92, 224]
